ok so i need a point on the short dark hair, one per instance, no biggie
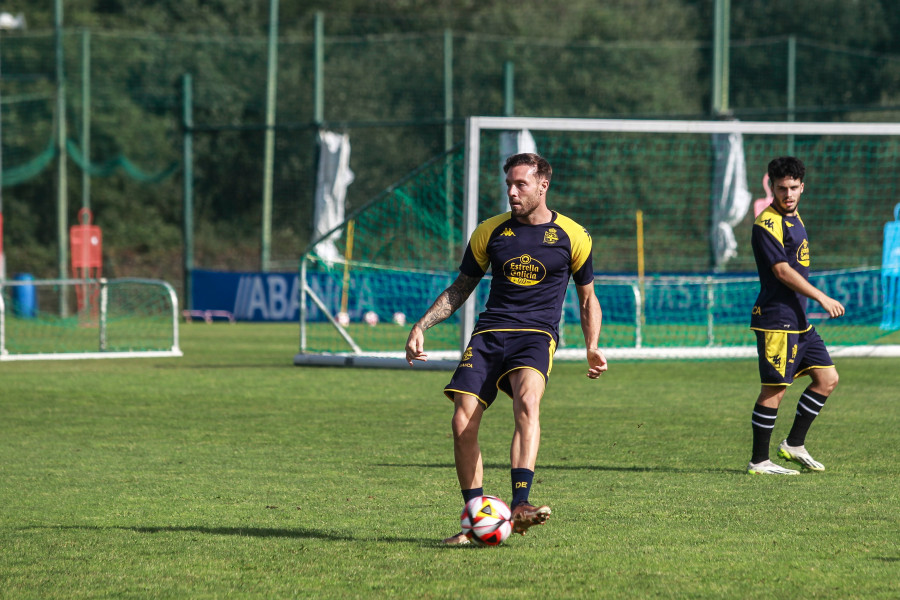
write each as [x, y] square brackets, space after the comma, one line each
[786, 166]
[542, 167]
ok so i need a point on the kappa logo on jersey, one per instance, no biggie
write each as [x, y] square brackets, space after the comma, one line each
[551, 236]
[524, 270]
[803, 253]
[508, 233]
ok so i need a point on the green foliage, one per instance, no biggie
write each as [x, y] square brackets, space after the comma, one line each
[231, 473]
[383, 84]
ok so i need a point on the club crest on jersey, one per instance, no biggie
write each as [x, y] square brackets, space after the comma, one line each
[550, 236]
[803, 253]
[524, 270]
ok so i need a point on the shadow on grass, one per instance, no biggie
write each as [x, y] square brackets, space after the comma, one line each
[254, 532]
[616, 469]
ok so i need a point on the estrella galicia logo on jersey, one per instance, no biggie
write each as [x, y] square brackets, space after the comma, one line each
[508, 233]
[803, 253]
[551, 236]
[524, 270]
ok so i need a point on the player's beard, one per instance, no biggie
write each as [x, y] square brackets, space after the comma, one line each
[525, 205]
[786, 206]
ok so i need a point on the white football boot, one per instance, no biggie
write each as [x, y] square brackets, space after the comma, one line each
[767, 467]
[799, 455]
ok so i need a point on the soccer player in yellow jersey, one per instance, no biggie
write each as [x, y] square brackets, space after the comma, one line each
[532, 252]
[787, 344]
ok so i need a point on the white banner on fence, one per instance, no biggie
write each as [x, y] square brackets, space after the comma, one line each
[334, 177]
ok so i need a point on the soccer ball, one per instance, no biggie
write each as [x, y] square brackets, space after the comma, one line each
[371, 318]
[399, 319]
[343, 318]
[486, 520]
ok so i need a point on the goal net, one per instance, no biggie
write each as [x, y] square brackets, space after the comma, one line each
[670, 206]
[64, 319]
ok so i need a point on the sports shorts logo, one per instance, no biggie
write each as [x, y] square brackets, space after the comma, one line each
[524, 270]
[803, 253]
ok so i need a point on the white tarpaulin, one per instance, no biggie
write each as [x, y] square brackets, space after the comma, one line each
[512, 142]
[333, 179]
[731, 196]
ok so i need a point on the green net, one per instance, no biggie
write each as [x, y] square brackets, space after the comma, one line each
[407, 243]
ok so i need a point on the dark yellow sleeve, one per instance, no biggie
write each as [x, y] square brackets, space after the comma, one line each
[481, 236]
[770, 220]
[580, 240]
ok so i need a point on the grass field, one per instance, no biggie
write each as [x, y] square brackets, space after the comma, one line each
[231, 473]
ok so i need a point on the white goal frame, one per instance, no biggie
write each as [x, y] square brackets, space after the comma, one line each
[103, 308]
[475, 125]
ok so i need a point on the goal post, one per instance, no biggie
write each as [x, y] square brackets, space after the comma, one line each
[695, 290]
[116, 318]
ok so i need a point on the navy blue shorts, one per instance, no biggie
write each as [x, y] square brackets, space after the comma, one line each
[785, 355]
[493, 354]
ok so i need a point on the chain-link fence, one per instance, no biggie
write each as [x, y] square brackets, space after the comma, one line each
[402, 97]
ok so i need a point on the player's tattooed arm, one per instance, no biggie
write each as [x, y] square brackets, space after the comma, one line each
[449, 301]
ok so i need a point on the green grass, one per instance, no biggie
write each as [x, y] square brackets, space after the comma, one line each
[231, 473]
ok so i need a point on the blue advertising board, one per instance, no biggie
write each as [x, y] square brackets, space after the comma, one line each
[252, 296]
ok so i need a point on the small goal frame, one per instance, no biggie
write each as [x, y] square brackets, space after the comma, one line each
[102, 283]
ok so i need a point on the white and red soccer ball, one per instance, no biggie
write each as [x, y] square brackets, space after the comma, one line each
[371, 318]
[486, 520]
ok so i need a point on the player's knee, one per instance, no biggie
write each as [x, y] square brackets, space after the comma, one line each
[833, 379]
[463, 426]
[826, 380]
[528, 408]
